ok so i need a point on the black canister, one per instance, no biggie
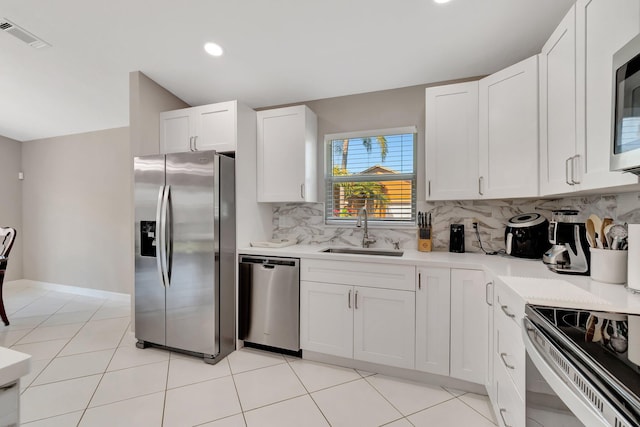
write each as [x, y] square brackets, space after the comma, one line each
[456, 238]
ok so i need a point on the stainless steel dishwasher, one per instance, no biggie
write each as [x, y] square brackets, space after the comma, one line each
[269, 301]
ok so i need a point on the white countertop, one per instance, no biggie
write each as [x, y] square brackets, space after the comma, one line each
[13, 365]
[530, 279]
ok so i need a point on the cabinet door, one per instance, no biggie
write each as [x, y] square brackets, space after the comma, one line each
[433, 297]
[384, 326]
[216, 127]
[508, 140]
[558, 110]
[451, 138]
[602, 27]
[286, 155]
[326, 318]
[469, 321]
[176, 129]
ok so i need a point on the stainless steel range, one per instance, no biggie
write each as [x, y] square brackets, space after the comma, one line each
[584, 357]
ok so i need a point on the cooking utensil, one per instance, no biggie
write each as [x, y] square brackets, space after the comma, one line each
[607, 234]
[618, 234]
[591, 232]
[597, 227]
[603, 236]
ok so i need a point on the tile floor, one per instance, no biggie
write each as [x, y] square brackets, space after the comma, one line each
[86, 371]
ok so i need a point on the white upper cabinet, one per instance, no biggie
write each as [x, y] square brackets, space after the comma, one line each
[558, 169]
[576, 89]
[287, 151]
[602, 27]
[508, 137]
[451, 138]
[208, 127]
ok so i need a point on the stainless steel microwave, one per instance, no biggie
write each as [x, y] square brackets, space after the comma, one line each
[625, 146]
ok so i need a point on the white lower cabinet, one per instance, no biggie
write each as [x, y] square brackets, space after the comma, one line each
[433, 320]
[384, 322]
[371, 324]
[326, 318]
[469, 331]
[433, 297]
[509, 358]
[452, 321]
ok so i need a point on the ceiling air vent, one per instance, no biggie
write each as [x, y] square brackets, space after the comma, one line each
[22, 34]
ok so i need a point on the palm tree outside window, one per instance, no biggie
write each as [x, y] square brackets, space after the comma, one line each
[372, 169]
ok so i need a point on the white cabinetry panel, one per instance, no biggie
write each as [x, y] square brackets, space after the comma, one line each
[384, 322]
[508, 138]
[451, 139]
[433, 298]
[326, 318]
[469, 326]
[287, 145]
[558, 171]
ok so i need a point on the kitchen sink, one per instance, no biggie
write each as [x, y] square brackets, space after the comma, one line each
[363, 251]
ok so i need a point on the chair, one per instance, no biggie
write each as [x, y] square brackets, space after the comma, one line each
[7, 238]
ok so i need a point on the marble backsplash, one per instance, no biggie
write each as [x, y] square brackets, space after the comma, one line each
[305, 221]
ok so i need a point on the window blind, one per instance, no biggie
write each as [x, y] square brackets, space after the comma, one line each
[376, 171]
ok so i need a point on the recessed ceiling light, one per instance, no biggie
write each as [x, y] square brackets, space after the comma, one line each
[442, 1]
[213, 49]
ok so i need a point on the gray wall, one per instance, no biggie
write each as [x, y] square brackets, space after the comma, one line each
[146, 100]
[77, 210]
[11, 201]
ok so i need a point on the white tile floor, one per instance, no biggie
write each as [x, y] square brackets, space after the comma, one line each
[86, 371]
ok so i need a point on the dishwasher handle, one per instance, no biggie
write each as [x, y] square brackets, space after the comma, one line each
[269, 262]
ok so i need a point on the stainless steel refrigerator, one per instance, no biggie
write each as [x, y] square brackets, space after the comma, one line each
[185, 253]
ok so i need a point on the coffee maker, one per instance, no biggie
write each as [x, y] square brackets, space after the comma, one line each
[570, 251]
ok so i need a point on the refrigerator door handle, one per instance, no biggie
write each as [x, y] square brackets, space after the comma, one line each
[160, 236]
[167, 245]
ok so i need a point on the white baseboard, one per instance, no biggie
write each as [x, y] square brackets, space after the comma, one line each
[97, 293]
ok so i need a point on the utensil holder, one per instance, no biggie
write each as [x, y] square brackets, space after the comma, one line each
[424, 239]
[424, 245]
[609, 266]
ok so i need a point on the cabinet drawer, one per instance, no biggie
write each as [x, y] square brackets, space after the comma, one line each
[508, 305]
[509, 407]
[386, 276]
[510, 352]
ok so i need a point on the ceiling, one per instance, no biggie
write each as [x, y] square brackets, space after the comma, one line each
[276, 52]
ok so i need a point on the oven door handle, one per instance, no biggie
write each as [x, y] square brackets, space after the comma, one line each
[567, 381]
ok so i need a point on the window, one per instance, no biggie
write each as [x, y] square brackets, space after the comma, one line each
[376, 170]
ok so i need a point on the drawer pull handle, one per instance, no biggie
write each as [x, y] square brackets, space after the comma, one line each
[419, 281]
[502, 356]
[356, 300]
[502, 411]
[486, 293]
[8, 387]
[504, 309]
[349, 299]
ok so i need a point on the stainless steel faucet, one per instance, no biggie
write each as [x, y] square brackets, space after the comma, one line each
[366, 241]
